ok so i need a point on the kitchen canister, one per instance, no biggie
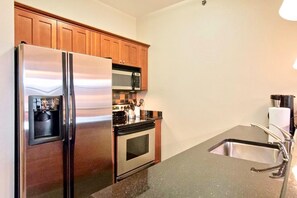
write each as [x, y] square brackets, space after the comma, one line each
[137, 111]
[131, 114]
[279, 116]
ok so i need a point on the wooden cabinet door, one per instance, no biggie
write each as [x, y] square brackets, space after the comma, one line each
[110, 48]
[125, 53]
[143, 63]
[45, 32]
[133, 55]
[129, 54]
[73, 38]
[81, 41]
[35, 29]
[65, 37]
[23, 27]
[95, 43]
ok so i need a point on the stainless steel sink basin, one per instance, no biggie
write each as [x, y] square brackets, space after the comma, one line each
[246, 150]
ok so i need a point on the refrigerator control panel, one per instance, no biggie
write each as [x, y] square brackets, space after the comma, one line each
[46, 104]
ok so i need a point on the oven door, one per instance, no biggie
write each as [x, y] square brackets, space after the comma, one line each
[135, 150]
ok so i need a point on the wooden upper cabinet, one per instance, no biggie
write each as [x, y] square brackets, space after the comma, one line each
[95, 43]
[110, 48]
[23, 27]
[35, 29]
[73, 38]
[47, 30]
[121, 51]
[134, 51]
[125, 55]
[65, 37]
[143, 63]
[129, 54]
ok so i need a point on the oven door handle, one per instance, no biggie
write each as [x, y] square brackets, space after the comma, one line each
[134, 129]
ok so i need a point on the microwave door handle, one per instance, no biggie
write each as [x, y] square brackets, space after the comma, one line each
[133, 81]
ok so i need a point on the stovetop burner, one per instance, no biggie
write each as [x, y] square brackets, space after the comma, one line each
[129, 122]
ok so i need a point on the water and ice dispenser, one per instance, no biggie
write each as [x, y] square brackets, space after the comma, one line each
[45, 119]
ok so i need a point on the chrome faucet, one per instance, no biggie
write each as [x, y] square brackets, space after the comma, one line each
[289, 139]
[284, 147]
[285, 133]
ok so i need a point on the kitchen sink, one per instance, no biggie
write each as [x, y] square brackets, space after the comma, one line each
[246, 150]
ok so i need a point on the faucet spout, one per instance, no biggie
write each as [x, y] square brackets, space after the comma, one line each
[269, 132]
[289, 140]
[281, 145]
[285, 133]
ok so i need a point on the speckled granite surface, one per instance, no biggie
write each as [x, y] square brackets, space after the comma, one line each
[198, 173]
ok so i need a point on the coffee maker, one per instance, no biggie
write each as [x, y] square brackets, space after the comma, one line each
[288, 102]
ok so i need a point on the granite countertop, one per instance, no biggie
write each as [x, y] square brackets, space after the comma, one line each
[148, 114]
[145, 116]
[198, 173]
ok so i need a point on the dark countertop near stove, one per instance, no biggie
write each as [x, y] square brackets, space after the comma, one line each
[198, 173]
[148, 114]
[145, 115]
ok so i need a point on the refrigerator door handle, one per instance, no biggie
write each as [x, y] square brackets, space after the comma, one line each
[65, 97]
[72, 100]
[72, 117]
[66, 125]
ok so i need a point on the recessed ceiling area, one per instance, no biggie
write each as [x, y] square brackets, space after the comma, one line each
[138, 8]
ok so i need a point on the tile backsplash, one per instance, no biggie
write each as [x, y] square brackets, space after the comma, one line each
[123, 97]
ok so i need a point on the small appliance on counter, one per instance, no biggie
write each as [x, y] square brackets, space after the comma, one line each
[286, 101]
[119, 117]
[119, 114]
[125, 112]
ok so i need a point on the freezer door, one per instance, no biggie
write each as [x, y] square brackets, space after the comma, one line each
[91, 113]
[39, 122]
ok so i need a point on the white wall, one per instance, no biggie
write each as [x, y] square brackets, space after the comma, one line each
[214, 67]
[90, 12]
[6, 100]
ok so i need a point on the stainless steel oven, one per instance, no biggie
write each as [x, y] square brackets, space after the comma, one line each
[135, 147]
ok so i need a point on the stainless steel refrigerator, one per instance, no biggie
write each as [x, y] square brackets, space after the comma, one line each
[63, 123]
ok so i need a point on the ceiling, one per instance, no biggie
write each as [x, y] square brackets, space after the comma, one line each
[138, 8]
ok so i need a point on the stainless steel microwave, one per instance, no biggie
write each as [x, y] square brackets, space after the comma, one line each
[126, 80]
